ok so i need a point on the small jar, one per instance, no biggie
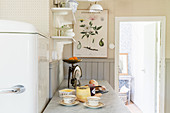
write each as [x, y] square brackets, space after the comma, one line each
[62, 33]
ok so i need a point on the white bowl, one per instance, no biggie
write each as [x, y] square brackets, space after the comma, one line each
[69, 30]
[67, 92]
[96, 8]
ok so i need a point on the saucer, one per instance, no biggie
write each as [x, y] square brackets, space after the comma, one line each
[98, 106]
[69, 104]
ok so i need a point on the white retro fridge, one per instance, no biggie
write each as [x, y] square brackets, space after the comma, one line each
[24, 68]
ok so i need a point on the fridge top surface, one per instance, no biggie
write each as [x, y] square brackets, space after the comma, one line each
[10, 26]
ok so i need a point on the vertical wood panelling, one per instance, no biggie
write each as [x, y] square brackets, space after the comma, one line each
[106, 75]
[65, 70]
[83, 67]
[57, 75]
[66, 67]
[88, 71]
[53, 78]
[94, 70]
[100, 71]
[111, 74]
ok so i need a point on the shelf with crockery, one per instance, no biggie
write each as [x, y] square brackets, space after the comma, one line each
[63, 16]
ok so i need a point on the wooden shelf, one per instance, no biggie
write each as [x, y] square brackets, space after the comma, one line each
[64, 39]
[62, 11]
[64, 16]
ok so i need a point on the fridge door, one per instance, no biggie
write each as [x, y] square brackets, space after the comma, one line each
[18, 66]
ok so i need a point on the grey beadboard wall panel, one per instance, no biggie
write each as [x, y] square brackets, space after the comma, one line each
[106, 71]
[99, 69]
[111, 74]
[53, 77]
[88, 70]
[167, 86]
[94, 70]
[66, 67]
[83, 66]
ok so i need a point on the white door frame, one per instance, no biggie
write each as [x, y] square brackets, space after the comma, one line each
[162, 19]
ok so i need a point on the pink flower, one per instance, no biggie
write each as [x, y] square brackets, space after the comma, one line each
[93, 17]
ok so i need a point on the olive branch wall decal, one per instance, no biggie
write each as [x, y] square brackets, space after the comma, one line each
[89, 29]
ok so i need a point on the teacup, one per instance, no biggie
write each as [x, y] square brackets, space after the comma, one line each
[93, 101]
[68, 99]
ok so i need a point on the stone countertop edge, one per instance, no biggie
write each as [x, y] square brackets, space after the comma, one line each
[111, 100]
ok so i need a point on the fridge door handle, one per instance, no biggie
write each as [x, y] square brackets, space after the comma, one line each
[16, 89]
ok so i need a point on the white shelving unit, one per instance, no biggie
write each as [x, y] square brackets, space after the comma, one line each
[63, 16]
[64, 39]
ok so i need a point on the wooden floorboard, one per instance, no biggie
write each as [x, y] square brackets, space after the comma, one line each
[133, 108]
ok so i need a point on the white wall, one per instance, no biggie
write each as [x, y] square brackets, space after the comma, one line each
[35, 12]
[167, 99]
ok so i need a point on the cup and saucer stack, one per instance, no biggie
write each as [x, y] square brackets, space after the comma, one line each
[69, 100]
[93, 102]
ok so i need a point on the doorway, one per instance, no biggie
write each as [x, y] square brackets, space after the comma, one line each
[139, 59]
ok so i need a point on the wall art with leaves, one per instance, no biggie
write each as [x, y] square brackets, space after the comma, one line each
[91, 34]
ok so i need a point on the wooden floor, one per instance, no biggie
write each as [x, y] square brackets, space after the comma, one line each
[133, 108]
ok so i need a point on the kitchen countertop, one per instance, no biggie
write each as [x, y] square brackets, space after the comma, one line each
[111, 100]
